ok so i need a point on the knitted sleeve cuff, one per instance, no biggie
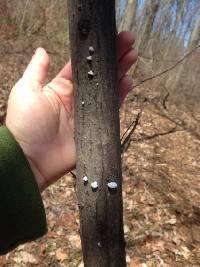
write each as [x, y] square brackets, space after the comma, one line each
[22, 214]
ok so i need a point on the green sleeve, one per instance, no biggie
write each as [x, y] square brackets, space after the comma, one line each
[22, 214]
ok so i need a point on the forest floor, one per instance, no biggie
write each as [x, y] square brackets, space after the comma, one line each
[161, 192]
[161, 174]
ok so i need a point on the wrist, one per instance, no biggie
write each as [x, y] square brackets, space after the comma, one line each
[38, 177]
[42, 185]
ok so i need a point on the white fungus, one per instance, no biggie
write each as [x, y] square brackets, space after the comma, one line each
[91, 49]
[112, 185]
[83, 103]
[99, 244]
[97, 84]
[89, 58]
[85, 179]
[91, 73]
[94, 185]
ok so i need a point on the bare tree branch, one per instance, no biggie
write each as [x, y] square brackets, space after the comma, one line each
[168, 69]
[149, 137]
[73, 175]
[165, 100]
[125, 144]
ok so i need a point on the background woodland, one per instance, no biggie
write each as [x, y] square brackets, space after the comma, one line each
[160, 119]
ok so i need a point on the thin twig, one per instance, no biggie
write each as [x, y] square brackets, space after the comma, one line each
[23, 16]
[165, 100]
[168, 69]
[73, 175]
[155, 135]
[133, 122]
[133, 125]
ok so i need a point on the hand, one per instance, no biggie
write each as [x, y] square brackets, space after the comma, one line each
[41, 117]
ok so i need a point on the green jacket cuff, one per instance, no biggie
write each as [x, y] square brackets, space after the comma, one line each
[22, 211]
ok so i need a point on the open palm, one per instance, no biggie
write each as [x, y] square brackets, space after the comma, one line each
[41, 117]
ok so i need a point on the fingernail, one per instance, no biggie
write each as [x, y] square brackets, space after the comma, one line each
[39, 51]
[35, 52]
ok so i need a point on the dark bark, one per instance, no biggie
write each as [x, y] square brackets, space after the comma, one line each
[92, 25]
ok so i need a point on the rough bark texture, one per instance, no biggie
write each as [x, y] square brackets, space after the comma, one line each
[92, 25]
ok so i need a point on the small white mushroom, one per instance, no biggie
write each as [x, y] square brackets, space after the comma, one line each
[94, 185]
[83, 103]
[112, 185]
[91, 49]
[85, 179]
[91, 73]
[99, 244]
[89, 58]
[97, 84]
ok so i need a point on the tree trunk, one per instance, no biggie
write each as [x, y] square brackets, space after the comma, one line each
[128, 21]
[150, 14]
[93, 47]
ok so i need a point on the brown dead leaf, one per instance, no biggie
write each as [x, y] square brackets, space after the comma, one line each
[155, 245]
[126, 229]
[185, 252]
[128, 259]
[172, 221]
[196, 233]
[135, 262]
[75, 241]
[25, 257]
[42, 248]
[60, 255]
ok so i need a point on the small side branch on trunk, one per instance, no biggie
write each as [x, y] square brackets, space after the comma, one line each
[130, 130]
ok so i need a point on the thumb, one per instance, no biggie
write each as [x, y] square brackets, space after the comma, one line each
[38, 67]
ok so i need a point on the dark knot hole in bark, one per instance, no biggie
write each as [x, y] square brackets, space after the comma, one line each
[84, 28]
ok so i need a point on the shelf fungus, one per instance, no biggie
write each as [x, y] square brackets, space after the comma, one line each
[91, 74]
[91, 50]
[85, 179]
[112, 185]
[94, 185]
[89, 58]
